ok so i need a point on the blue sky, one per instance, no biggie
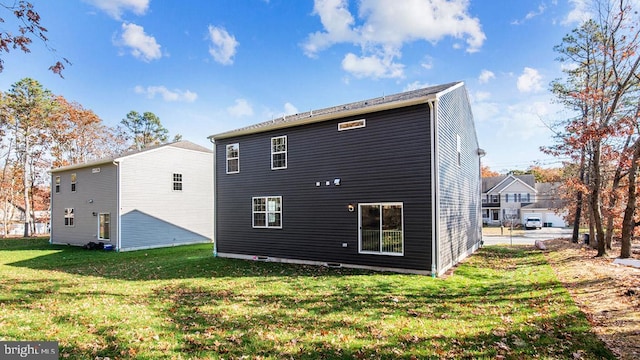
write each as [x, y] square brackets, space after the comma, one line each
[209, 66]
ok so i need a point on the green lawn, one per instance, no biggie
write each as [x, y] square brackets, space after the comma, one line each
[181, 303]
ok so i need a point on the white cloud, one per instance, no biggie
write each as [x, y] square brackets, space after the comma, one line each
[579, 13]
[371, 66]
[481, 96]
[415, 86]
[115, 8]
[385, 26]
[530, 15]
[485, 76]
[530, 81]
[240, 109]
[223, 45]
[290, 109]
[167, 95]
[143, 46]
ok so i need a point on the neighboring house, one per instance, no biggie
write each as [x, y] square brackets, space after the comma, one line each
[548, 206]
[160, 196]
[514, 198]
[12, 220]
[390, 183]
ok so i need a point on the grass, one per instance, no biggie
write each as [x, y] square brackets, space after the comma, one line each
[181, 303]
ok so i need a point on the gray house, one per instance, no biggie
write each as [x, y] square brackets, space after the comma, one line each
[160, 196]
[390, 183]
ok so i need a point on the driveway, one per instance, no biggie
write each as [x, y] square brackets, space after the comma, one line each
[529, 238]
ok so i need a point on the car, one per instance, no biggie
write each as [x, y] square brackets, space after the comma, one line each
[533, 223]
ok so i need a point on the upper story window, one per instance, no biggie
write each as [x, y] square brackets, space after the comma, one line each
[57, 184]
[279, 152]
[233, 158]
[494, 198]
[73, 182]
[177, 182]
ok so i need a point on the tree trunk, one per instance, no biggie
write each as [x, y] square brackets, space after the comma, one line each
[576, 221]
[628, 222]
[595, 201]
[26, 187]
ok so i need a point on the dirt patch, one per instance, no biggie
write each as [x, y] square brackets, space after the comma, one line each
[607, 293]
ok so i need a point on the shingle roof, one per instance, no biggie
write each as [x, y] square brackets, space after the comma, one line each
[354, 108]
[548, 197]
[497, 183]
[183, 144]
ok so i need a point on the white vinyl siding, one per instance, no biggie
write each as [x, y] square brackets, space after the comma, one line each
[279, 152]
[267, 212]
[233, 158]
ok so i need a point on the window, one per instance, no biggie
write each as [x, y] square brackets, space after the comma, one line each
[57, 184]
[267, 212]
[177, 182]
[495, 198]
[104, 227]
[279, 152]
[73, 182]
[233, 158]
[381, 229]
[68, 217]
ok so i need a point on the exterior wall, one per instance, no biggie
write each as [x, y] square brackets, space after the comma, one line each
[152, 213]
[95, 193]
[459, 203]
[388, 160]
[549, 218]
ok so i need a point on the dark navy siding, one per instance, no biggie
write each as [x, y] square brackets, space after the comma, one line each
[386, 161]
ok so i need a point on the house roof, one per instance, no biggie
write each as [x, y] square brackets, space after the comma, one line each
[499, 183]
[355, 108]
[184, 144]
[548, 197]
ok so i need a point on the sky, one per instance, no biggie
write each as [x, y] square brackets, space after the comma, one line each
[209, 66]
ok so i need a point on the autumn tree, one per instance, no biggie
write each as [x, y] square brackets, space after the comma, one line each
[24, 113]
[600, 85]
[485, 171]
[28, 28]
[78, 135]
[144, 130]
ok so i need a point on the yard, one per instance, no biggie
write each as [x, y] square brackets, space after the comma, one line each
[181, 303]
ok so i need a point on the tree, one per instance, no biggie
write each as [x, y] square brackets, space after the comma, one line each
[25, 115]
[78, 135]
[28, 26]
[145, 129]
[485, 171]
[600, 87]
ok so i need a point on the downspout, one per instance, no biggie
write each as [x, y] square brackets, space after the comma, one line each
[481, 154]
[215, 242]
[118, 217]
[435, 213]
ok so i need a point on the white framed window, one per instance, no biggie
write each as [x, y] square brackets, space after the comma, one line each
[68, 217]
[177, 182]
[279, 152]
[57, 184]
[495, 198]
[104, 226]
[267, 212]
[233, 158]
[73, 182]
[381, 229]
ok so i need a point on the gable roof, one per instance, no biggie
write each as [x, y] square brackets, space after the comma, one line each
[548, 197]
[408, 98]
[499, 183]
[183, 144]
